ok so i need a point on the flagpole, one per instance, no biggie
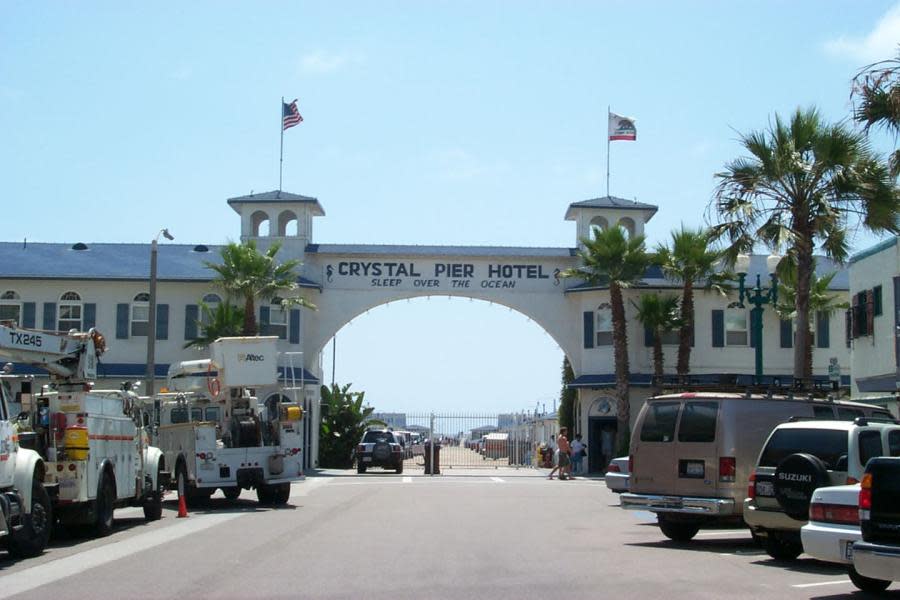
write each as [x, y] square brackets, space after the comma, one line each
[608, 111]
[281, 151]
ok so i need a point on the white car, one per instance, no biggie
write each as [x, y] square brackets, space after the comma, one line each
[833, 524]
[617, 475]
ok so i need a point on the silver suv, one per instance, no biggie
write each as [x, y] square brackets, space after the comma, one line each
[800, 457]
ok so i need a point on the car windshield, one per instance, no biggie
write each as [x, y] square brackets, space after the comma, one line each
[375, 437]
[827, 444]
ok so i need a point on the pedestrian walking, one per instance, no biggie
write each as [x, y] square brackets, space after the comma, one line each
[564, 449]
[578, 454]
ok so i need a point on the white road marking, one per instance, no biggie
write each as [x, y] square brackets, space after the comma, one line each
[808, 585]
[735, 532]
[497, 479]
[26, 580]
[407, 480]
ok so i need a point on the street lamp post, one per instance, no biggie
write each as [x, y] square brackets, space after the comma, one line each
[151, 317]
[758, 297]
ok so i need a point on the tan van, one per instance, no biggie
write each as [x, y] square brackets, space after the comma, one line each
[692, 453]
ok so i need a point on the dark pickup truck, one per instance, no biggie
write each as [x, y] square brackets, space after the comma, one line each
[876, 558]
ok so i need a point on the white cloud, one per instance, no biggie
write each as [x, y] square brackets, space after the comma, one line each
[880, 43]
[324, 62]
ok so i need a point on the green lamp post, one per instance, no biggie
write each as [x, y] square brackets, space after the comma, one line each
[758, 297]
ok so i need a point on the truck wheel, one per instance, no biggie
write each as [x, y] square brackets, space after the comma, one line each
[281, 493]
[265, 494]
[867, 584]
[400, 467]
[780, 548]
[104, 506]
[153, 502]
[32, 538]
[677, 531]
[232, 493]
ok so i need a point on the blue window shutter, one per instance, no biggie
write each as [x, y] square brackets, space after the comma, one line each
[121, 321]
[589, 329]
[50, 316]
[648, 336]
[786, 331]
[264, 320]
[162, 321]
[823, 336]
[718, 328]
[90, 315]
[28, 315]
[294, 321]
[848, 328]
[191, 316]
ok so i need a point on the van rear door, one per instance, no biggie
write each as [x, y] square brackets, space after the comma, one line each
[696, 450]
[654, 467]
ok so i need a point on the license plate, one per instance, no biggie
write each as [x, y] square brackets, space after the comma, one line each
[848, 550]
[694, 469]
[765, 488]
[67, 483]
[367, 459]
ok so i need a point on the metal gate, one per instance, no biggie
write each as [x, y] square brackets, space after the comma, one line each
[470, 441]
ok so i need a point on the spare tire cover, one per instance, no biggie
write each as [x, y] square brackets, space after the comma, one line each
[382, 451]
[796, 478]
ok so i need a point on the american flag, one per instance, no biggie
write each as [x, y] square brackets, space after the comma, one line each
[290, 115]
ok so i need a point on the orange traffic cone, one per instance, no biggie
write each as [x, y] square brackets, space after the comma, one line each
[182, 507]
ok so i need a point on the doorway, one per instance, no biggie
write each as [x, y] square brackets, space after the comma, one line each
[601, 443]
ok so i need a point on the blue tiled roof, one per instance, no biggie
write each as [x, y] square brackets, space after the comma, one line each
[126, 262]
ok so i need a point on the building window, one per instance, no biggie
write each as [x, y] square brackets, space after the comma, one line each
[278, 319]
[140, 315]
[70, 311]
[736, 327]
[10, 307]
[212, 302]
[604, 325]
[876, 301]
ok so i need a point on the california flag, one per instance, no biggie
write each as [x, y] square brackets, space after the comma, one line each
[621, 128]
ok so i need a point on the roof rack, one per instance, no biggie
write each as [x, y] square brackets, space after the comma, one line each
[815, 389]
[863, 421]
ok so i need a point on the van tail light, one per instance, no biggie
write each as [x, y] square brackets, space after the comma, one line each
[833, 513]
[865, 497]
[361, 448]
[727, 468]
[631, 463]
[613, 468]
[751, 487]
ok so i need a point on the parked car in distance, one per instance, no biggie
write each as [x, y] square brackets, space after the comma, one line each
[379, 448]
[833, 524]
[876, 558]
[692, 453]
[800, 457]
[617, 475]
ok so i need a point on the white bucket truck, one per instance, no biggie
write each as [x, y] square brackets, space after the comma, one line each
[218, 434]
[95, 452]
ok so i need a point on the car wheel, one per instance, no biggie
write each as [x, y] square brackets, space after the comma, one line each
[867, 584]
[780, 548]
[153, 502]
[400, 468]
[232, 493]
[31, 539]
[105, 505]
[676, 531]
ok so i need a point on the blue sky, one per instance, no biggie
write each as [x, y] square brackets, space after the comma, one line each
[462, 123]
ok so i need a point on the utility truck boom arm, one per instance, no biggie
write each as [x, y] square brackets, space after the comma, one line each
[71, 356]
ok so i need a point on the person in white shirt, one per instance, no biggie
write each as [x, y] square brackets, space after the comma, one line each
[577, 454]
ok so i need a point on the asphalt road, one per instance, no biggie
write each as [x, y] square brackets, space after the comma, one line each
[489, 534]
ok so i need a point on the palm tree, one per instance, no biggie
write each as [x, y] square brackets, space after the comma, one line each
[344, 421]
[224, 320]
[659, 314]
[876, 92]
[247, 273]
[801, 185]
[612, 258]
[690, 260]
[821, 300]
